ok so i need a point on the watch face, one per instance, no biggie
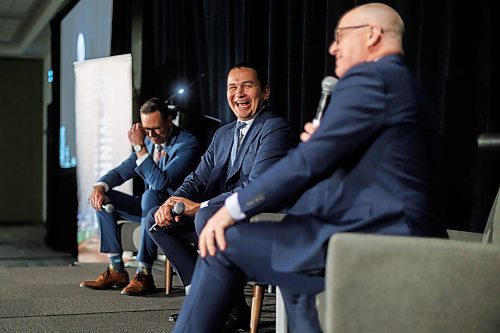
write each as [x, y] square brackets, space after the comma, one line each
[137, 148]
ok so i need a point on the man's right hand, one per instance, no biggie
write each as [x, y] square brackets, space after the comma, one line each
[97, 197]
[309, 129]
[163, 217]
[136, 134]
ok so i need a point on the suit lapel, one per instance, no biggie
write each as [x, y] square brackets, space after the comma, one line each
[252, 133]
[150, 147]
[227, 144]
[219, 173]
[165, 151]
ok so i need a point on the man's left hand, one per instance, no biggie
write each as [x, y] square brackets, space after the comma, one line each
[212, 235]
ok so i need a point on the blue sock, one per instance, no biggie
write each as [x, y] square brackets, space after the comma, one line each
[144, 268]
[116, 263]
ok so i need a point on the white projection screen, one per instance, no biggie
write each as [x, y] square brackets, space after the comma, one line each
[103, 116]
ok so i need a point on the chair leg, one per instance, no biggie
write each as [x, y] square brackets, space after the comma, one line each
[257, 299]
[168, 277]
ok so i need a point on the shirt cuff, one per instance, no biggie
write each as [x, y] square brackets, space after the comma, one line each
[103, 184]
[204, 204]
[233, 207]
[141, 159]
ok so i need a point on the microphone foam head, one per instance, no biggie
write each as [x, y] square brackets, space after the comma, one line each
[179, 207]
[109, 208]
[328, 83]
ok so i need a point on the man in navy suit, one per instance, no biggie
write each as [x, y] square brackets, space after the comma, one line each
[370, 166]
[229, 164]
[163, 156]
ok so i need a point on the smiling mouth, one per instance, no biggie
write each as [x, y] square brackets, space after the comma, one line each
[242, 104]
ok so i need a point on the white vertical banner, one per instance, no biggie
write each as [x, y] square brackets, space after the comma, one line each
[103, 116]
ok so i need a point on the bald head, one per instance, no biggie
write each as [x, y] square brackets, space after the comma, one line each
[366, 33]
[385, 16]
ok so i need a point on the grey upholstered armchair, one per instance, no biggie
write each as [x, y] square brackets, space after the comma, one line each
[407, 284]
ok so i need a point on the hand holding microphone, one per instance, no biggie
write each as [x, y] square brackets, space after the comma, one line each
[99, 201]
[327, 86]
[108, 207]
[176, 210]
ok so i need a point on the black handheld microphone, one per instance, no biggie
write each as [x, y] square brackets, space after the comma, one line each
[109, 208]
[177, 210]
[327, 86]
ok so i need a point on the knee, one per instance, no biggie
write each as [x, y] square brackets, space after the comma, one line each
[114, 198]
[151, 199]
[103, 215]
[201, 218]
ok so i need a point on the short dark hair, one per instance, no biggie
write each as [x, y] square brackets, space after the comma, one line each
[261, 75]
[156, 104]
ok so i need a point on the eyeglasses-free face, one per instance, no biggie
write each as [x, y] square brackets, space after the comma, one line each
[245, 95]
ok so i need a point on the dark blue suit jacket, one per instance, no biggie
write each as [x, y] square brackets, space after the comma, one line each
[180, 155]
[267, 141]
[371, 166]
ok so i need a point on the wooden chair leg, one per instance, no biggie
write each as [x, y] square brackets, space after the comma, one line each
[168, 277]
[257, 299]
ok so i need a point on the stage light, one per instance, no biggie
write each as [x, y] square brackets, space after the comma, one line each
[181, 91]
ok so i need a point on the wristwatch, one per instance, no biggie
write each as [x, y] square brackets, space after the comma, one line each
[138, 148]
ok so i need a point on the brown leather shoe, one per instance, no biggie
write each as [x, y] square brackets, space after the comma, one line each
[108, 279]
[141, 284]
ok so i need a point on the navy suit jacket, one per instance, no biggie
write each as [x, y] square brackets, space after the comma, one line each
[268, 139]
[179, 157]
[371, 166]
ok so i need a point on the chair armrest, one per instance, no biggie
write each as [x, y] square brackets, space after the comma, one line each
[466, 236]
[385, 284]
[131, 236]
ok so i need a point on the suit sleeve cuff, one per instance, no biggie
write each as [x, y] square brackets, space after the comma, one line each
[141, 159]
[233, 207]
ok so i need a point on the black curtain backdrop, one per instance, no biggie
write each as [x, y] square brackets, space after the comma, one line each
[447, 46]
[61, 208]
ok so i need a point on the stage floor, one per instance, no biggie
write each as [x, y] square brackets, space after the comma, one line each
[39, 292]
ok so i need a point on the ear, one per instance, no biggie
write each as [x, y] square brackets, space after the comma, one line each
[376, 32]
[267, 92]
